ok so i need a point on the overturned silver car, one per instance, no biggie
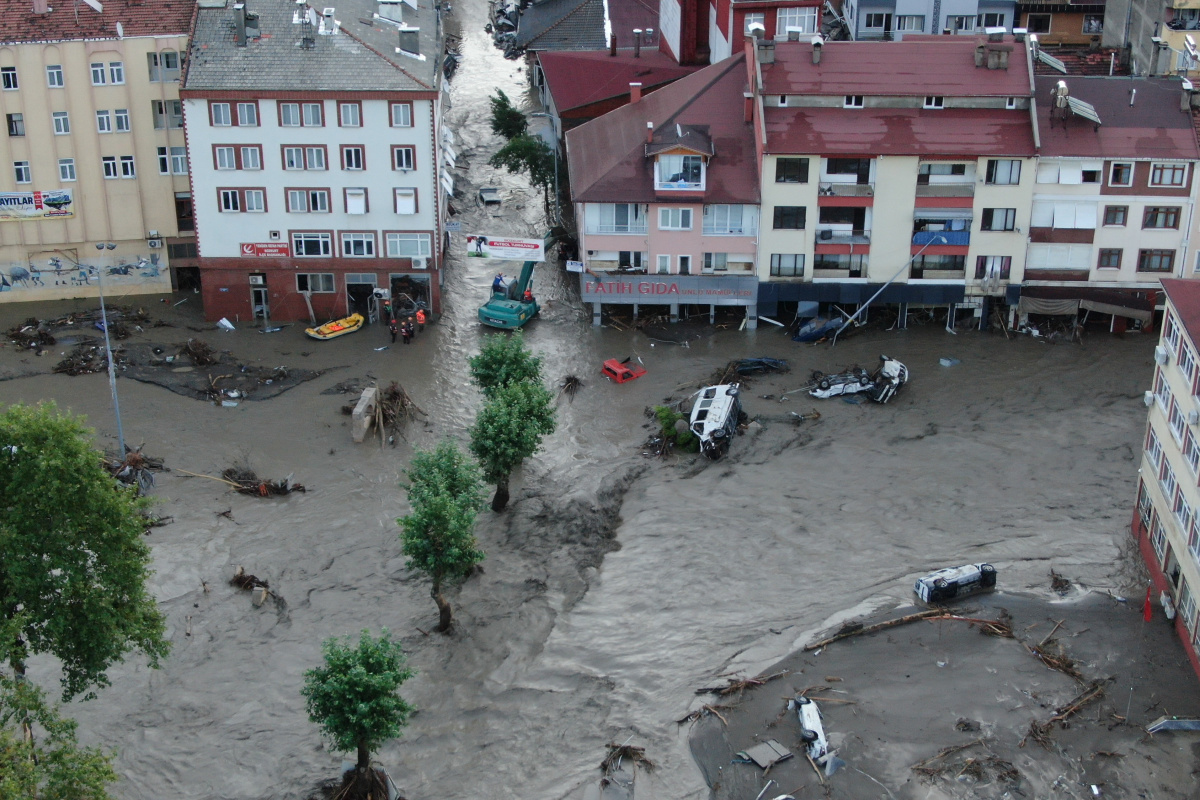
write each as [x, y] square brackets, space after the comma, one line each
[715, 417]
[880, 385]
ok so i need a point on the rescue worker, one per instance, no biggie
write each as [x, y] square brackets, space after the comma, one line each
[420, 320]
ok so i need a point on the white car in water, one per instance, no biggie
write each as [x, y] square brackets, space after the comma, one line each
[880, 385]
[954, 582]
[715, 417]
[812, 732]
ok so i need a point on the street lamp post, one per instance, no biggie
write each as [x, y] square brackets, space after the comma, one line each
[557, 219]
[890, 280]
[112, 370]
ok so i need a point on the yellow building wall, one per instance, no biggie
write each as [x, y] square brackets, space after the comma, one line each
[787, 194]
[892, 217]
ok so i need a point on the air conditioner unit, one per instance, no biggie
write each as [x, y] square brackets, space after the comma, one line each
[154, 244]
[273, 236]
[1160, 355]
[258, 280]
[1194, 418]
[1148, 399]
[420, 263]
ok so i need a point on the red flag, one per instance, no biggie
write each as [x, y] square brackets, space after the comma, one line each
[1147, 610]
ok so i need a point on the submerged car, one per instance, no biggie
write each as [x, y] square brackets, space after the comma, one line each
[954, 582]
[489, 196]
[715, 417]
[880, 385]
[812, 732]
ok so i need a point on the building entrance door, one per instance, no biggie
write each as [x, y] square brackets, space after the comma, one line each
[260, 303]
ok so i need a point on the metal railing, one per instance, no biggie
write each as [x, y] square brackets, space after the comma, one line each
[947, 237]
[843, 236]
[831, 189]
[946, 189]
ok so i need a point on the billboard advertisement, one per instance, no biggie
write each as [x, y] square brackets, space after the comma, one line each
[27, 206]
[500, 247]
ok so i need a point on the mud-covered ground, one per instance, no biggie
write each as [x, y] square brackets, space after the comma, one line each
[615, 585]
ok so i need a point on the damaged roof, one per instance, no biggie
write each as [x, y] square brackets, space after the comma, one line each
[66, 21]
[607, 156]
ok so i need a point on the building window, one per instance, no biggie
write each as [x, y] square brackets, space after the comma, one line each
[66, 169]
[304, 158]
[875, 21]
[127, 170]
[406, 201]
[168, 114]
[8, 78]
[1177, 422]
[716, 262]
[402, 115]
[182, 250]
[314, 201]
[350, 115]
[926, 170]
[110, 166]
[312, 244]
[225, 157]
[172, 160]
[795, 20]
[1155, 260]
[1154, 450]
[910, 23]
[852, 101]
[999, 219]
[1110, 258]
[1121, 174]
[163, 66]
[293, 158]
[722, 219]
[990, 20]
[751, 18]
[992, 268]
[1116, 215]
[98, 77]
[247, 115]
[787, 265]
[1010, 103]
[663, 261]
[316, 282]
[1093, 23]
[62, 124]
[404, 157]
[230, 200]
[289, 115]
[674, 219]
[121, 115]
[54, 76]
[1003, 172]
[103, 122]
[251, 157]
[311, 115]
[116, 72]
[789, 218]
[256, 200]
[791, 170]
[408, 245]
[855, 264]
[314, 157]
[16, 124]
[355, 200]
[1161, 217]
[1168, 174]
[353, 157]
[220, 114]
[680, 172]
[934, 101]
[1037, 23]
[358, 245]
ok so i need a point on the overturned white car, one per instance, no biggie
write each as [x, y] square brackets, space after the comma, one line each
[880, 385]
[715, 417]
[954, 582]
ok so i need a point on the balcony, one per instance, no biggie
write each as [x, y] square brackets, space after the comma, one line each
[831, 189]
[919, 274]
[946, 190]
[619, 228]
[952, 238]
[842, 236]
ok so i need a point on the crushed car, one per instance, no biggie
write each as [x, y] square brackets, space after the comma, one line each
[955, 582]
[715, 417]
[880, 385]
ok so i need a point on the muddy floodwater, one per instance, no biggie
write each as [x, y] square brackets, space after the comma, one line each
[615, 584]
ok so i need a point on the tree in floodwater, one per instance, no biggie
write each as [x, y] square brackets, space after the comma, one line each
[508, 429]
[507, 120]
[354, 698]
[532, 156]
[73, 564]
[438, 535]
[502, 361]
[40, 758]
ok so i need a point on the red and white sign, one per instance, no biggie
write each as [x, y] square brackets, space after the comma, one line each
[266, 250]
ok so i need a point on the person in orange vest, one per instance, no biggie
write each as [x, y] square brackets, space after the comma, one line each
[528, 296]
[420, 320]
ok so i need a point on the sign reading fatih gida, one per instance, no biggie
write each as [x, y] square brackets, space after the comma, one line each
[483, 246]
[24, 206]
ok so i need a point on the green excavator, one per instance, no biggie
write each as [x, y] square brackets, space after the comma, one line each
[510, 307]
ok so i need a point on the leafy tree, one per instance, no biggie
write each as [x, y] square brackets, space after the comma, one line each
[73, 566]
[507, 120]
[48, 764]
[504, 360]
[532, 156]
[438, 535]
[509, 429]
[354, 698]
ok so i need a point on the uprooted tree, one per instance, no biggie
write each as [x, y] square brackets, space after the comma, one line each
[354, 698]
[438, 535]
[508, 429]
[532, 156]
[73, 566]
[507, 120]
[40, 758]
[502, 361]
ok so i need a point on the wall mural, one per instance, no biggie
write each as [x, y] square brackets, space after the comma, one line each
[63, 269]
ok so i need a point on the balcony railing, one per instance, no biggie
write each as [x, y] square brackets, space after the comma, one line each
[843, 236]
[955, 238]
[923, 273]
[946, 190]
[831, 189]
[633, 227]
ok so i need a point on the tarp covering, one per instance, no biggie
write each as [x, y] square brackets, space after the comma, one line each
[1116, 310]
[1048, 306]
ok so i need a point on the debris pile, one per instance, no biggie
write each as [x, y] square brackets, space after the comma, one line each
[397, 408]
[570, 385]
[200, 352]
[1040, 731]
[735, 686]
[617, 753]
[31, 334]
[244, 480]
[87, 359]
[136, 469]
[987, 767]
[1058, 583]
[739, 369]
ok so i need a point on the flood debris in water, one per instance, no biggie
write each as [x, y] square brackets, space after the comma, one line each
[244, 480]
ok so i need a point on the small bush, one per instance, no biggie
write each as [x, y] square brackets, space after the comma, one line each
[685, 441]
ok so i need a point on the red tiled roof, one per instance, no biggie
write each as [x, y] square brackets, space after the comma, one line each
[1153, 127]
[581, 78]
[607, 156]
[625, 15]
[137, 17]
[943, 65]
[1185, 296]
[969, 132]
[1082, 60]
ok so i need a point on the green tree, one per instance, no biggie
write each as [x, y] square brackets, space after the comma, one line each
[530, 155]
[438, 535]
[48, 764]
[509, 429]
[507, 121]
[73, 565]
[355, 699]
[504, 360]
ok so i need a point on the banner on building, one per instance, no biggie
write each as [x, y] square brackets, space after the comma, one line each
[717, 290]
[25, 206]
[266, 250]
[482, 246]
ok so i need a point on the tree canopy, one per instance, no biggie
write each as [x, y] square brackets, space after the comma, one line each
[508, 429]
[438, 534]
[73, 565]
[507, 121]
[504, 360]
[49, 765]
[354, 697]
[530, 155]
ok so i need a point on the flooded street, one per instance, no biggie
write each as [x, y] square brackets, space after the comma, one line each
[614, 584]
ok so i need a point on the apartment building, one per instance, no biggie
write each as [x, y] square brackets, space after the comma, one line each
[1155, 33]
[1114, 195]
[666, 194]
[96, 184]
[908, 164]
[1057, 23]
[1166, 520]
[708, 31]
[317, 156]
[895, 19]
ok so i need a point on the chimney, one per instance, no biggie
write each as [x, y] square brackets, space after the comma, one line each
[1185, 101]
[239, 24]
[637, 42]
[635, 91]
[979, 50]
[748, 105]
[410, 41]
[766, 51]
[818, 44]
[649, 132]
[612, 45]
[41, 7]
